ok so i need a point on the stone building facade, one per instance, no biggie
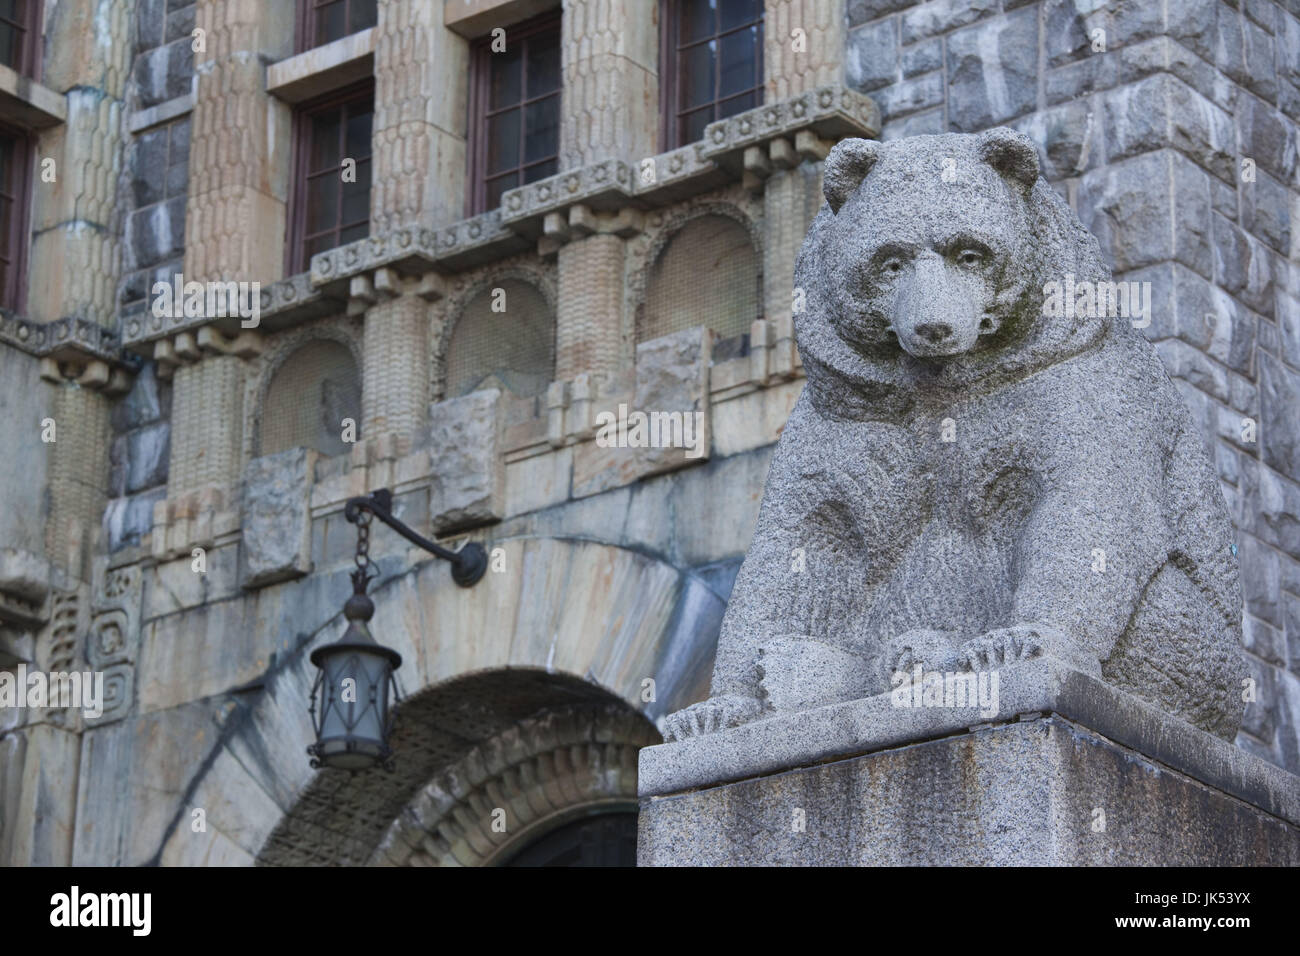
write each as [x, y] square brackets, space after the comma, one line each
[175, 483]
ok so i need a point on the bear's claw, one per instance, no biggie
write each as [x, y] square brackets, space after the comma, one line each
[710, 716]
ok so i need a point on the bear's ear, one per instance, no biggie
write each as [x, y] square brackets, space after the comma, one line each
[847, 165]
[1012, 154]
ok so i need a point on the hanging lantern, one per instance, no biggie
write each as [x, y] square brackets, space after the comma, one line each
[355, 691]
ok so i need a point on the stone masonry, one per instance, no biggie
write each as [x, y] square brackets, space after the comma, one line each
[153, 543]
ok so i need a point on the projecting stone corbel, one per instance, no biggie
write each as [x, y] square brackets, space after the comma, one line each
[811, 146]
[245, 344]
[430, 287]
[361, 294]
[94, 374]
[783, 154]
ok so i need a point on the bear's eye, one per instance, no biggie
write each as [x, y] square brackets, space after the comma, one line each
[970, 258]
[892, 266]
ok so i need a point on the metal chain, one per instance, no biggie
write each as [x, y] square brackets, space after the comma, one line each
[363, 543]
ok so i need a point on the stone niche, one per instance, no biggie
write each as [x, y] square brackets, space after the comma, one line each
[1069, 771]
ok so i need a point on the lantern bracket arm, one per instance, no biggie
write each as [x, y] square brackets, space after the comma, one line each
[468, 565]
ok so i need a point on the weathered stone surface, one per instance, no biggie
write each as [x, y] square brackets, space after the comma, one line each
[665, 426]
[672, 379]
[164, 72]
[871, 58]
[38, 790]
[993, 70]
[1279, 397]
[973, 476]
[1024, 793]
[277, 516]
[24, 575]
[468, 483]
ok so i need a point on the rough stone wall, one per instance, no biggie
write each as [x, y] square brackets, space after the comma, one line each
[1170, 126]
[153, 195]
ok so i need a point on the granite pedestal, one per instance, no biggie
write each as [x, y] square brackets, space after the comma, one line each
[1069, 771]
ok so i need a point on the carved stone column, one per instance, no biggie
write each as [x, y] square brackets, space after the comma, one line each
[803, 45]
[395, 391]
[239, 151]
[588, 333]
[610, 105]
[421, 75]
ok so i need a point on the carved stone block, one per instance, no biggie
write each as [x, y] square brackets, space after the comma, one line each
[468, 483]
[277, 516]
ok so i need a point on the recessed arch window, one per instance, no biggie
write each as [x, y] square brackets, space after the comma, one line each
[310, 395]
[504, 338]
[706, 274]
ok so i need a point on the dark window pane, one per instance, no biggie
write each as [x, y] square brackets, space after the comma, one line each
[503, 142]
[319, 244]
[330, 22]
[692, 125]
[738, 58]
[364, 14]
[506, 70]
[356, 196]
[698, 19]
[541, 171]
[322, 202]
[358, 135]
[543, 64]
[324, 152]
[541, 129]
[353, 233]
[697, 75]
[12, 10]
[6, 163]
[737, 104]
[496, 188]
[10, 46]
[732, 13]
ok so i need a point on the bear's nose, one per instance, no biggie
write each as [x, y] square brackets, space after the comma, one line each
[934, 332]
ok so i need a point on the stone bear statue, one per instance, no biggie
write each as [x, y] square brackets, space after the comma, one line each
[977, 472]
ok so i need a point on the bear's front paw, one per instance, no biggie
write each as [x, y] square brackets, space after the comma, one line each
[1022, 643]
[709, 716]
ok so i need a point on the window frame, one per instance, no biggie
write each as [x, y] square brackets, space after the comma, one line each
[296, 260]
[15, 299]
[304, 30]
[29, 50]
[670, 71]
[479, 97]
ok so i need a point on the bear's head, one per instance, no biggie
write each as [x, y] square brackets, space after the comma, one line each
[928, 263]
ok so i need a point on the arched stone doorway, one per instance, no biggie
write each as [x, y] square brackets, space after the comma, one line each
[530, 685]
[489, 764]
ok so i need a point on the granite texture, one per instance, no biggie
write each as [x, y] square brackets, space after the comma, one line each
[1039, 792]
[972, 477]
